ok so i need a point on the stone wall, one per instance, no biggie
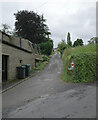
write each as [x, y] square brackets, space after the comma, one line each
[17, 49]
[24, 53]
[20, 42]
[0, 58]
[0, 62]
[14, 57]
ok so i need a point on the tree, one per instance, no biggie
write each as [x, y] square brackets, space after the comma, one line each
[46, 47]
[62, 46]
[6, 29]
[31, 26]
[78, 42]
[93, 40]
[69, 39]
[14, 33]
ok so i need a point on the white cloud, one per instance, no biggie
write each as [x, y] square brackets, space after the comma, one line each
[0, 15]
[75, 16]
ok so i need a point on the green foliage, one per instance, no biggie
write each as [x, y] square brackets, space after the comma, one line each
[78, 42]
[62, 46]
[31, 26]
[10, 80]
[80, 49]
[14, 33]
[84, 68]
[69, 39]
[46, 47]
[84, 64]
[40, 66]
[93, 40]
[6, 29]
[45, 58]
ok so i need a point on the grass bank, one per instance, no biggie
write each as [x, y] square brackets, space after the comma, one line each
[84, 58]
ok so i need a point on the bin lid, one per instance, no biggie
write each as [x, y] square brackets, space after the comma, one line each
[18, 67]
[28, 65]
[21, 67]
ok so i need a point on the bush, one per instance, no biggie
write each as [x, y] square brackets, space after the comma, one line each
[42, 63]
[45, 58]
[85, 64]
[62, 46]
[78, 42]
[46, 47]
[84, 67]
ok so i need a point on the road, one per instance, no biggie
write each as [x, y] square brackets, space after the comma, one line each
[45, 95]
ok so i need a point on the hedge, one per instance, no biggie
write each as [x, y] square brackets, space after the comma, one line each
[84, 67]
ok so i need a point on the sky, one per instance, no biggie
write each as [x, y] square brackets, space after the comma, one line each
[62, 16]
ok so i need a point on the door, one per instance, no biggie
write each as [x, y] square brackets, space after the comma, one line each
[4, 68]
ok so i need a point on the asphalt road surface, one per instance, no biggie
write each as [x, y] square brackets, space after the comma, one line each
[46, 96]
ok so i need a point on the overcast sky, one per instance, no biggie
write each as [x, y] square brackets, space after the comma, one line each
[75, 16]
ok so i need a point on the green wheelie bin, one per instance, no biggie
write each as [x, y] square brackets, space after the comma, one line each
[27, 69]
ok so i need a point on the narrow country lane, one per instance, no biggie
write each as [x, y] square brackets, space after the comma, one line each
[36, 94]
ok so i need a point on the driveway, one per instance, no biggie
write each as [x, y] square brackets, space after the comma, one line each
[45, 95]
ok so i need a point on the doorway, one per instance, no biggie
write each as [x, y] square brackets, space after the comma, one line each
[4, 68]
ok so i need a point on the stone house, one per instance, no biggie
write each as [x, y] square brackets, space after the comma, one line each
[15, 52]
[0, 61]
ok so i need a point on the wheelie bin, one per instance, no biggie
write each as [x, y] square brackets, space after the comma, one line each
[27, 69]
[21, 72]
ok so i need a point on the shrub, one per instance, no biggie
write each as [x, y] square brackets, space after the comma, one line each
[46, 47]
[85, 64]
[62, 46]
[84, 67]
[45, 58]
[78, 42]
